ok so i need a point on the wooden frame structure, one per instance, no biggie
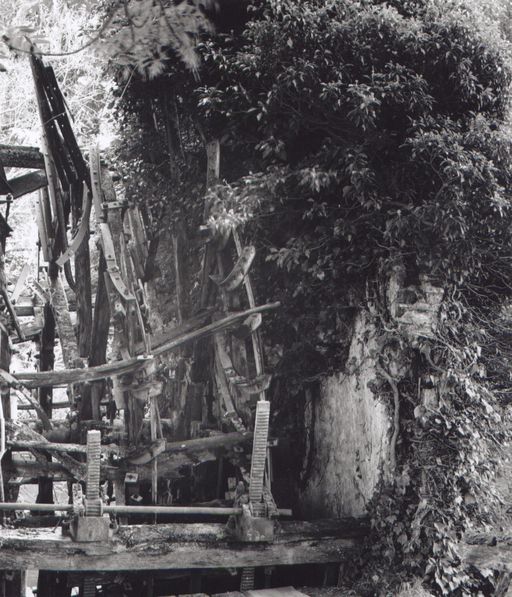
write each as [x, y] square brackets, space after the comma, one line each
[115, 362]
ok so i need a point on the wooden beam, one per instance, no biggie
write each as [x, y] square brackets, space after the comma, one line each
[45, 395]
[170, 461]
[189, 451]
[27, 183]
[19, 156]
[179, 546]
[37, 379]
[20, 431]
[83, 278]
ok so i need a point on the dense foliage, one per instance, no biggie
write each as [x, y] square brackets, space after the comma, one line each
[358, 136]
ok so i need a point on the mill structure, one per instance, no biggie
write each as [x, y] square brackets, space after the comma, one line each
[166, 446]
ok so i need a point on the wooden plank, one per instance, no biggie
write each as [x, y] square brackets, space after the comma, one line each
[82, 234]
[48, 126]
[81, 205]
[66, 332]
[27, 183]
[278, 592]
[20, 283]
[5, 360]
[24, 433]
[91, 397]
[83, 291]
[44, 94]
[45, 397]
[37, 379]
[178, 546]
[486, 551]
[113, 270]
[21, 156]
[213, 163]
[27, 445]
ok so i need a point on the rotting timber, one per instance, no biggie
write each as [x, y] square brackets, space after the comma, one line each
[119, 373]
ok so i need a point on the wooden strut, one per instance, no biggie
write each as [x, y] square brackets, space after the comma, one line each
[82, 232]
[179, 546]
[52, 378]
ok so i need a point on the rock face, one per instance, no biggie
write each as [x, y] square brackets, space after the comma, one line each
[351, 434]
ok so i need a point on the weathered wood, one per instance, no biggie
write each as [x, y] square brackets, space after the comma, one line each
[12, 583]
[170, 462]
[178, 546]
[82, 233]
[20, 431]
[59, 108]
[63, 323]
[486, 551]
[176, 244]
[21, 156]
[240, 270]
[91, 396]
[83, 289]
[48, 122]
[20, 283]
[27, 183]
[5, 361]
[45, 224]
[24, 445]
[46, 363]
[37, 379]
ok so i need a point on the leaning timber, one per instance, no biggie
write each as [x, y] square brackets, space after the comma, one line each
[69, 376]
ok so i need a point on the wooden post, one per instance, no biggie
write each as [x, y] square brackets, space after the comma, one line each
[46, 363]
[82, 277]
[10, 583]
[13, 583]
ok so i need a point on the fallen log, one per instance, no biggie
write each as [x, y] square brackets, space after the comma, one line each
[70, 376]
[179, 546]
